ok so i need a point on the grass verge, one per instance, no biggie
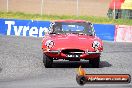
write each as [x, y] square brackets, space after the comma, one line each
[93, 19]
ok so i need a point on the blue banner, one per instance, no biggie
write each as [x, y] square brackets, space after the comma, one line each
[105, 31]
[38, 28]
[23, 27]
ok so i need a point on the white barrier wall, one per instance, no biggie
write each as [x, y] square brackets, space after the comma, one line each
[123, 33]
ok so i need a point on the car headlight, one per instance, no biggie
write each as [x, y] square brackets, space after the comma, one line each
[96, 44]
[49, 43]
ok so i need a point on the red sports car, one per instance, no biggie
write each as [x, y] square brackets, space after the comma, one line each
[71, 40]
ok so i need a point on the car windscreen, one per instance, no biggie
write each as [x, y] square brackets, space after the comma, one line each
[72, 27]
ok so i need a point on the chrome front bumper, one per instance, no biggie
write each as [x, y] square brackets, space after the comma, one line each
[86, 52]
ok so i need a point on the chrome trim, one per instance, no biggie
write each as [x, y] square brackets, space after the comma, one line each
[89, 52]
[54, 51]
[93, 52]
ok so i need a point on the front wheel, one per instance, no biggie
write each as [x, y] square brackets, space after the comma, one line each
[95, 62]
[47, 61]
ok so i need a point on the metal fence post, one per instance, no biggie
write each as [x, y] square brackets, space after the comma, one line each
[7, 5]
[77, 8]
[114, 9]
[41, 7]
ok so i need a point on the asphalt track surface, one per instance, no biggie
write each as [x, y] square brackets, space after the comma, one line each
[21, 65]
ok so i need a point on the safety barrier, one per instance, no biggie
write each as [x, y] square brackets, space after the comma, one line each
[23, 27]
[35, 28]
[123, 33]
[105, 31]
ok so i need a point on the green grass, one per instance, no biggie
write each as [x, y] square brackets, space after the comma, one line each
[93, 19]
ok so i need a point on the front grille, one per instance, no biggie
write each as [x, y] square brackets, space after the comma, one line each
[73, 51]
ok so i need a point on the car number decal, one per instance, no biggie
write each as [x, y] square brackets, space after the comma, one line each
[73, 56]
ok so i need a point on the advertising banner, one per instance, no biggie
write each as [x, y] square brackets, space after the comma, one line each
[38, 28]
[23, 27]
[123, 33]
[105, 31]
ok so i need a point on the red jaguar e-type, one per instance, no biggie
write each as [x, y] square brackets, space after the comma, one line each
[71, 40]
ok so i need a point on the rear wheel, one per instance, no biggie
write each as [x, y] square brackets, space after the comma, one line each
[47, 61]
[95, 62]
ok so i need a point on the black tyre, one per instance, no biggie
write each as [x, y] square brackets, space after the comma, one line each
[47, 61]
[95, 62]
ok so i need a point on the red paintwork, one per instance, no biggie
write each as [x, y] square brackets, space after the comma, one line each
[71, 41]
